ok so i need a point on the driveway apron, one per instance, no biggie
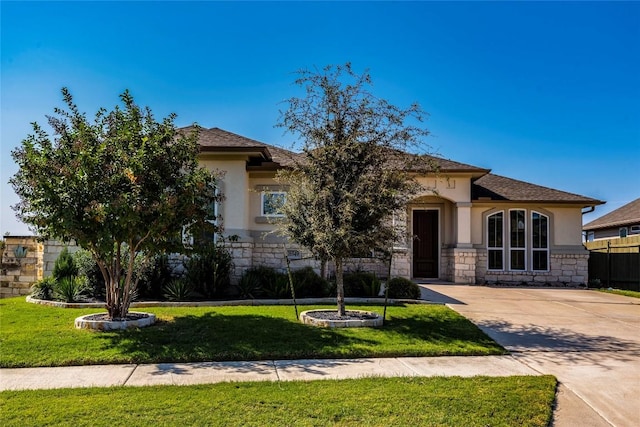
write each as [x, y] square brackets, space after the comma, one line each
[589, 340]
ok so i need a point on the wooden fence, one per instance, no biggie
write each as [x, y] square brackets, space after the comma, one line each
[615, 263]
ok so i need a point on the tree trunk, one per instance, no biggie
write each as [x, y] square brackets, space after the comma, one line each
[340, 287]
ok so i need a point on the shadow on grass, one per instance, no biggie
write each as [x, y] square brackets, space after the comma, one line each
[214, 337]
[219, 337]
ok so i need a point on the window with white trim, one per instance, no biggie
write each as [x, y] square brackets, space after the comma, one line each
[271, 203]
[635, 229]
[623, 232]
[539, 242]
[495, 243]
[591, 236]
[517, 239]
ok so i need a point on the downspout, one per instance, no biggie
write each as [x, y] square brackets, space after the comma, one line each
[591, 209]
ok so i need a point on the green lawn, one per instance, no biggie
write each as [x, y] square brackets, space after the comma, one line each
[478, 401]
[633, 294]
[36, 335]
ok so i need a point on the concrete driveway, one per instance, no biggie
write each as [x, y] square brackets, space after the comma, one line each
[589, 340]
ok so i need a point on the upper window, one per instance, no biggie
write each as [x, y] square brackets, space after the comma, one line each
[517, 240]
[591, 236]
[539, 241]
[635, 229]
[623, 231]
[272, 202]
[495, 244]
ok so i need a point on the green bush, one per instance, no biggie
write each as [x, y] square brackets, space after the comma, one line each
[250, 286]
[65, 266]
[178, 290]
[43, 288]
[361, 284]
[308, 284]
[402, 288]
[208, 270]
[87, 267]
[70, 289]
[155, 276]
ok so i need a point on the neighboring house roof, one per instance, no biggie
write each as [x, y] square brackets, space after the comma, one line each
[499, 188]
[626, 215]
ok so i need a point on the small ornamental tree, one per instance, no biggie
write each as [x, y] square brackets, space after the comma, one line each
[122, 186]
[355, 171]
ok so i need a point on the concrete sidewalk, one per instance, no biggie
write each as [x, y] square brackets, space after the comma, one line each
[277, 370]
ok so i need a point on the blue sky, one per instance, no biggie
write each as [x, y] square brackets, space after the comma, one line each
[545, 92]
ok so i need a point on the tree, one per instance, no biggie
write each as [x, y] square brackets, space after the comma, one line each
[355, 171]
[122, 186]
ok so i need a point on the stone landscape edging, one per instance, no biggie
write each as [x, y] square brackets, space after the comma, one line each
[249, 302]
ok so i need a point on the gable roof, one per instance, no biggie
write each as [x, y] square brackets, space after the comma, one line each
[499, 188]
[624, 215]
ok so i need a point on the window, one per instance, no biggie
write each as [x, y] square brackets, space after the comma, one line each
[539, 241]
[635, 229]
[623, 232]
[272, 202]
[495, 245]
[517, 233]
[591, 236]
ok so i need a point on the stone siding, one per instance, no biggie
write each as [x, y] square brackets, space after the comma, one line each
[52, 250]
[20, 269]
[565, 269]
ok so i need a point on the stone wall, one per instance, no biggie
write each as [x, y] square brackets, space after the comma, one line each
[52, 249]
[21, 265]
[566, 268]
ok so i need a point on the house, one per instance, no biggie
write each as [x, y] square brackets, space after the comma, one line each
[614, 244]
[476, 227]
[620, 223]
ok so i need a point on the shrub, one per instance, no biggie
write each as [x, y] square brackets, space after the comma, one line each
[65, 266]
[178, 290]
[399, 287]
[70, 289]
[43, 288]
[308, 284]
[249, 286]
[87, 267]
[155, 276]
[361, 284]
[208, 270]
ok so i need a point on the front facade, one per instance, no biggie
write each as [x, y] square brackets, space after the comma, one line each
[466, 226]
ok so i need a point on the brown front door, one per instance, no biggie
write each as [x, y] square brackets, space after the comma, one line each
[425, 244]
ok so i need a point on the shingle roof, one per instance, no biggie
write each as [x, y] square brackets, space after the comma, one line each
[421, 163]
[627, 214]
[216, 139]
[500, 188]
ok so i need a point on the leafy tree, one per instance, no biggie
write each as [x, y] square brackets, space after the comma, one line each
[123, 186]
[355, 170]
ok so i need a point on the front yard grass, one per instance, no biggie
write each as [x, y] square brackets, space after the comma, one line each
[626, 293]
[35, 335]
[478, 401]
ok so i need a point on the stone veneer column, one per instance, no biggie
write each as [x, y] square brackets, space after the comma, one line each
[19, 272]
[464, 269]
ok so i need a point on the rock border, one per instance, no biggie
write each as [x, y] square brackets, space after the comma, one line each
[222, 303]
[306, 317]
[85, 322]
